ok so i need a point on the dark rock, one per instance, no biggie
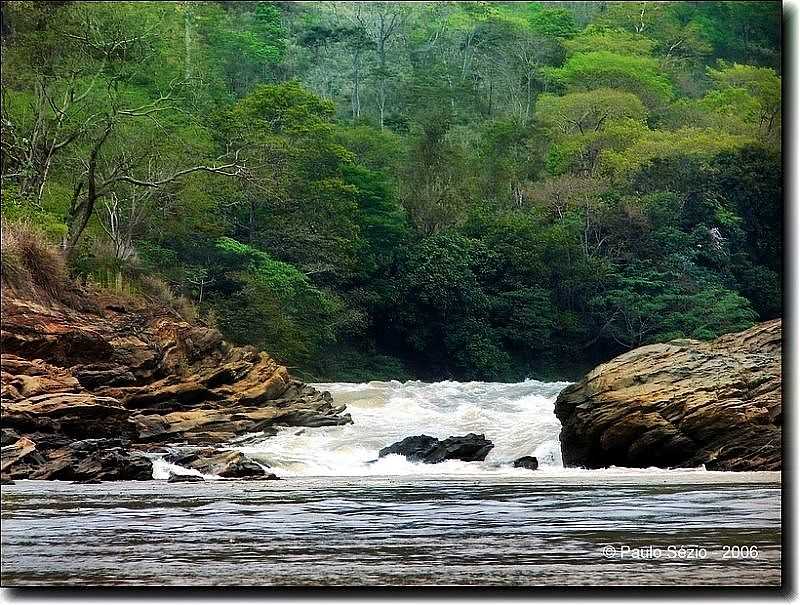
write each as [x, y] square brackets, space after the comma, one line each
[101, 459]
[430, 450]
[223, 463]
[529, 462]
[415, 449]
[103, 375]
[681, 404]
[8, 437]
[173, 478]
[95, 459]
[264, 477]
[469, 448]
[6, 481]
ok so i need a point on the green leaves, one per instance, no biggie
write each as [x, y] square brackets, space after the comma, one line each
[286, 108]
[655, 306]
[581, 113]
[608, 39]
[603, 69]
[273, 304]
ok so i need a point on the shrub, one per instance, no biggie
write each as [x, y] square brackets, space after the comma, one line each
[30, 265]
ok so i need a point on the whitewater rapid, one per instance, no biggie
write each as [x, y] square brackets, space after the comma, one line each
[517, 417]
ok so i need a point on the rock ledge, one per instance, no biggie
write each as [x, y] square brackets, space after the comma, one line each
[85, 392]
[684, 403]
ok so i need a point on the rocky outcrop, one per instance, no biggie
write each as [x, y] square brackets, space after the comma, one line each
[681, 404]
[83, 460]
[430, 450]
[141, 377]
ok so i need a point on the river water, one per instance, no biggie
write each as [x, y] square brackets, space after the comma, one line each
[340, 518]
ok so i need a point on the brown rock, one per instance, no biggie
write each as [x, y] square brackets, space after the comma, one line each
[76, 415]
[683, 403]
[140, 374]
[223, 463]
[11, 454]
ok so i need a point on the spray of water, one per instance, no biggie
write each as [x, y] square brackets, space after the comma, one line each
[518, 418]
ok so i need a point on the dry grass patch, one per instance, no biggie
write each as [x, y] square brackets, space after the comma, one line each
[30, 266]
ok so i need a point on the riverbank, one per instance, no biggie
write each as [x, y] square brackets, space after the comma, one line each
[88, 388]
[98, 387]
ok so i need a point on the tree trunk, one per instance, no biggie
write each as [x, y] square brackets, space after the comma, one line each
[356, 96]
[81, 211]
[187, 42]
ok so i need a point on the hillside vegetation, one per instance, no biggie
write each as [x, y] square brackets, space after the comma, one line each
[474, 190]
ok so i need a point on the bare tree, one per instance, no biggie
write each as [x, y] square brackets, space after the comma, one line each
[99, 179]
[85, 107]
[381, 22]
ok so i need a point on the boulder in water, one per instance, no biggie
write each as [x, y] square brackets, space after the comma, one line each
[414, 448]
[430, 450]
[684, 403]
[174, 478]
[529, 462]
[224, 463]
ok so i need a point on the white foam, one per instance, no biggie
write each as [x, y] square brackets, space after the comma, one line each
[518, 418]
[163, 469]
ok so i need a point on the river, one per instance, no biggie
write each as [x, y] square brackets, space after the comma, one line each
[339, 517]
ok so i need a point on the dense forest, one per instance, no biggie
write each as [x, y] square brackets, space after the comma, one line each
[473, 190]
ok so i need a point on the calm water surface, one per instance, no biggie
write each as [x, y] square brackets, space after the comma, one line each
[550, 529]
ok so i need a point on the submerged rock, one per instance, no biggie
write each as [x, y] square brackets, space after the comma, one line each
[529, 462]
[684, 403]
[430, 450]
[175, 478]
[223, 463]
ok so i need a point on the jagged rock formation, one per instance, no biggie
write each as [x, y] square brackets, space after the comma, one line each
[141, 378]
[430, 450]
[684, 403]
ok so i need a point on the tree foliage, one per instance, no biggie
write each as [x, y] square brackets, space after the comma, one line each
[474, 190]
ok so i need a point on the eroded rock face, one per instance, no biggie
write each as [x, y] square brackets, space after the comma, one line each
[430, 450]
[680, 404]
[139, 376]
